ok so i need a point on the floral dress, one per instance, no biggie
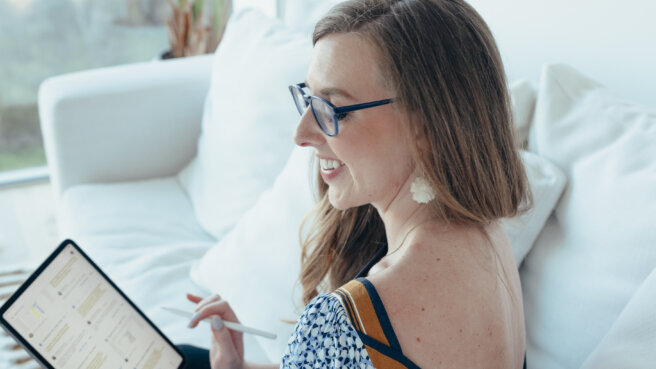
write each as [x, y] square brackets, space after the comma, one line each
[348, 328]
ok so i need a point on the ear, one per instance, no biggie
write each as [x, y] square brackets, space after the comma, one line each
[419, 133]
[422, 141]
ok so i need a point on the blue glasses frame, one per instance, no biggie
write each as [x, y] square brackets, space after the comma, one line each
[297, 91]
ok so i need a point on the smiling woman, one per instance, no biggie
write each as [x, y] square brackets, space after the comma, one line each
[406, 107]
[429, 138]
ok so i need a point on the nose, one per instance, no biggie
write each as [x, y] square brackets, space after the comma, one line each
[308, 132]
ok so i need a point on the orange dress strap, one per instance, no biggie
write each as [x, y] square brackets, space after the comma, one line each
[367, 314]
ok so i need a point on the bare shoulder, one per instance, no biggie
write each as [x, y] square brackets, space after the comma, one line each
[454, 300]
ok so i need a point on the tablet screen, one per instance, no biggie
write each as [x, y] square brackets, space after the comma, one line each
[72, 316]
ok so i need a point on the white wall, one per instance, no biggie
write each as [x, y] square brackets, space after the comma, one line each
[612, 41]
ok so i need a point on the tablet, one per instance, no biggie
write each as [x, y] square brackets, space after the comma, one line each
[69, 314]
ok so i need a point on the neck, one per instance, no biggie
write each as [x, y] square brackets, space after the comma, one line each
[401, 216]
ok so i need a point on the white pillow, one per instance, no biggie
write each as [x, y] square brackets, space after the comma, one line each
[256, 266]
[522, 97]
[547, 183]
[601, 243]
[249, 118]
[631, 340]
[302, 15]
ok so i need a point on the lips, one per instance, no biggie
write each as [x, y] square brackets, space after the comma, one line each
[330, 168]
[329, 165]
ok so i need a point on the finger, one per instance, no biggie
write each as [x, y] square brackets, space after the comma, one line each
[222, 335]
[229, 343]
[193, 298]
[200, 305]
[206, 301]
[219, 308]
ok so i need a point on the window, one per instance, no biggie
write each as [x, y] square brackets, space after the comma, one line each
[43, 38]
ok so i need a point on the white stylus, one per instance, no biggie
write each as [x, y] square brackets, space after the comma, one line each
[229, 325]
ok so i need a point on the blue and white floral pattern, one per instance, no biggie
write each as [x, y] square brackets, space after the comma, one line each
[325, 338]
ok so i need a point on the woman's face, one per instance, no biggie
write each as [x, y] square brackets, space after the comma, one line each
[372, 156]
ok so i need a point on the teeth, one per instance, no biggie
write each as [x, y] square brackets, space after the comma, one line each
[330, 164]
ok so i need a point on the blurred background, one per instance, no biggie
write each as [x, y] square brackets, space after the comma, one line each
[44, 38]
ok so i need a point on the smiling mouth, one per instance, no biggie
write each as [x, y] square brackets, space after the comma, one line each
[328, 166]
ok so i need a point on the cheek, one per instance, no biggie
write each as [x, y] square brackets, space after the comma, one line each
[377, 165]
[375, 152]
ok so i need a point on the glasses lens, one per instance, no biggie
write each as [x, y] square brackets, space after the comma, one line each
[299, 100]
[325, 116]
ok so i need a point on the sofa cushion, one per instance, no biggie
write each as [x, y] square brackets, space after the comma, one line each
[145, 238]
[249, 118]
[600, 246]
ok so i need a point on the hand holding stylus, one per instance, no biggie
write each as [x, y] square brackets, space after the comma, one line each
[227, 349]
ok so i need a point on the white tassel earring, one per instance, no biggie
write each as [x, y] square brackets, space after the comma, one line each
[422, 192]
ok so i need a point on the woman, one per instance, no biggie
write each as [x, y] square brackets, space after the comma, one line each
[417, 165]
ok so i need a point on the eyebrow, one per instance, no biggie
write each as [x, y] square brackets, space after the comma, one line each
[331, 91]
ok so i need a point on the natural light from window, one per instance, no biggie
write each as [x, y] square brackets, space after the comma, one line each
[44, 38]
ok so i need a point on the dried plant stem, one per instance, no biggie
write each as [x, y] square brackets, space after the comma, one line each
[187, 33]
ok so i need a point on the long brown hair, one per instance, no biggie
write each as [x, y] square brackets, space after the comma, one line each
[441, 60]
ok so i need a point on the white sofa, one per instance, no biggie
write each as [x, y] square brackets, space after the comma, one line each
[121, 144]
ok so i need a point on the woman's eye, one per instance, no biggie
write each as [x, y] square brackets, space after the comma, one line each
[342, 116]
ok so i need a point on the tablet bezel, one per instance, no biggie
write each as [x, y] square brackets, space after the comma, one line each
[12, 299]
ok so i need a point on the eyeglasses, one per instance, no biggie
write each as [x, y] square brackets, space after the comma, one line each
[326, 114]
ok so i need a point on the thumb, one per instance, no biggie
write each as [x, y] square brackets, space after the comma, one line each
[222, 335]
[217, 323]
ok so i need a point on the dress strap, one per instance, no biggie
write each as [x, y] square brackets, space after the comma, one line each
[369, 318]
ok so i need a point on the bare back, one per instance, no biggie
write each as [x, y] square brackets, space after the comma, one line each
[454, 299]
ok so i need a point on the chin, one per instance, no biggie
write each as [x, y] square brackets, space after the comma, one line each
[339, 205]
[339, 202]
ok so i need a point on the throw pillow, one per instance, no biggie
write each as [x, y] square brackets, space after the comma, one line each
[600, 245]
[249, 118]
[631, 340]
[547, 183]
[256, 266]
[522, 96]
[302, 15]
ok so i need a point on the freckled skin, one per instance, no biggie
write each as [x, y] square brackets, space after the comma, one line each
[463, 318]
